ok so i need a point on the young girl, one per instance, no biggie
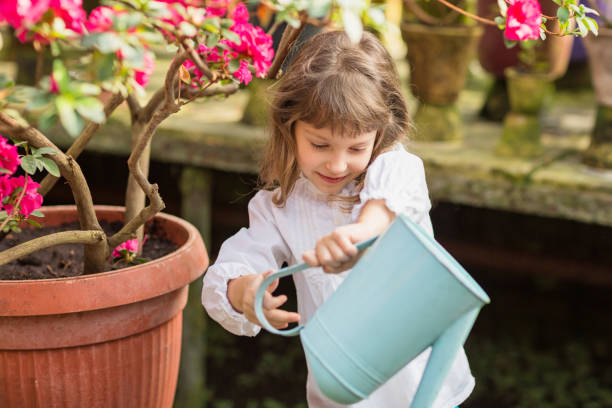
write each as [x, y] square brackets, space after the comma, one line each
[334, 173]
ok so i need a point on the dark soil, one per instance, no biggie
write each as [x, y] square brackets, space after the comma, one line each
[67, 260]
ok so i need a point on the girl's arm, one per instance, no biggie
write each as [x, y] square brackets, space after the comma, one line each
[336, 252]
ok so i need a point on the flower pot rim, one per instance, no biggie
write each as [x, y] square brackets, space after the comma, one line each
[111, 288]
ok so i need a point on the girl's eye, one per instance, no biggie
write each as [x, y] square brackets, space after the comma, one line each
[357, 149]
[318, 146]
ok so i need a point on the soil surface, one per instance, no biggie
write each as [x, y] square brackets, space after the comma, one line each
[67, 260]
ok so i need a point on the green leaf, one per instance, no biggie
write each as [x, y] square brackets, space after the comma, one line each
[28, 164]
[212, 40]
[231, 36]
[582, 27]
[39, 165]
[226, 22]
[592, 25]
[5, 171]
[141, 260]
[50, 166]
[563, 13]
[68, 116]
[104, 42]
[34, 223]
[60, 74]
[47, 150]
[38, 101]
[47, 119]
[509, 43]
[352, 25]
[84, 88]
[38, 214]
[318, 8]
[188, 29]
[91, 108]
[234, 65]
[500, 21]
[55, 48]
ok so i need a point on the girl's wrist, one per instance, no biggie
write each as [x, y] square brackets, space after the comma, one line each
[235, 288]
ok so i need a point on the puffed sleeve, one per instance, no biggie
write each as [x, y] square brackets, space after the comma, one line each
[398, 177]
[256, 249]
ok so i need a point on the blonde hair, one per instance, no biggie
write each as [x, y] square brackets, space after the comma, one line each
[351, 88]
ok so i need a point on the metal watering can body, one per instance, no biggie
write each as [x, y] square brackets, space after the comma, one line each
[405, 294]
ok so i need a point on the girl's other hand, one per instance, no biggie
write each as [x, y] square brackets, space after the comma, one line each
[241, 294]
[336, 252]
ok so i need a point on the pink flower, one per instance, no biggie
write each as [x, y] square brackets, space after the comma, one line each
[31, 199]
[131, 245]
[256, 44]
[54, 86]
[23, 15]
[143, 76]
[216, 8]
[9, 158]
[524, 19]
[240, 14]
[243, 74]
[100, 19]
[6, 188]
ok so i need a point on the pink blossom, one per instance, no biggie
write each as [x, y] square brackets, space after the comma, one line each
[131, 245]
[9, 158]
[240, 14]
[100, 19]
[143, 76]
[23, 15]
[31, 199]
[243, 74]
[6, 188]
[216, 8]
[256, 44]
[54, 88]
[524, 19]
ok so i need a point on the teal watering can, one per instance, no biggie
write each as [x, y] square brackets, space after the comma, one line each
[406, 293]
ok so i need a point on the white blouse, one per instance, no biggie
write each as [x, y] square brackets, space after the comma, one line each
[276, 235]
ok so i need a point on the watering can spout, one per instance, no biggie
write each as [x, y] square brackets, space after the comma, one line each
[443, 352]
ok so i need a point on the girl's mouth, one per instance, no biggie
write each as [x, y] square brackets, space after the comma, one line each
[332, 180]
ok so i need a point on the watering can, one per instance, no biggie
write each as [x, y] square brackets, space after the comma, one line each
[405, 293]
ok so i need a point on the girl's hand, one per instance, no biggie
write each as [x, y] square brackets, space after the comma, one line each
[241, 294]
[336, 252]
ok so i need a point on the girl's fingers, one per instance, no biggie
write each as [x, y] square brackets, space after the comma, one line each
[323, 254]
[347, 246]
[310, 258]
[273, 302]
[278, 317]
[337, 253]
[272, 287]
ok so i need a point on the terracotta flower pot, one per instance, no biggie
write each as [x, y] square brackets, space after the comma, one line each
[439, 59]
[105, 340]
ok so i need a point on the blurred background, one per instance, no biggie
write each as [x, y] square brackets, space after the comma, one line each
[522, 197]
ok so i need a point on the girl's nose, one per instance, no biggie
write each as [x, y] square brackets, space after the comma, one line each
[337, 165]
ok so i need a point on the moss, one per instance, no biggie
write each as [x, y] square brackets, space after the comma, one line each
[521, 136]
[436, 123]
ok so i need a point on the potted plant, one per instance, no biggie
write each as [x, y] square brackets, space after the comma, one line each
[530, 83]
[108, 333]
[494, 57]
[599, 51]
[441, 42]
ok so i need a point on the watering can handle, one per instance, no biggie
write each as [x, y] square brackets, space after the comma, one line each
[280, 274]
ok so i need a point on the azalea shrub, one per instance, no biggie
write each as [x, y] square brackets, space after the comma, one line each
[89, 64]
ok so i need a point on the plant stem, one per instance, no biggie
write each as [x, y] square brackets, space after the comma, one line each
[289, 36]
[467, 13]
[95, 253]
[59, 238]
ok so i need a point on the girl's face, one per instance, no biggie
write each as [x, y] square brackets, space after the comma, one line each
[331, 161]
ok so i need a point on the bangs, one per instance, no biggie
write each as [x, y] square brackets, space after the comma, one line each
[347, 103]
